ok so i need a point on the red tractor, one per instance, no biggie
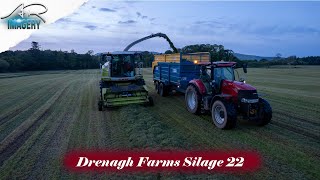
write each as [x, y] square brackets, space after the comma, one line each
[217, 91]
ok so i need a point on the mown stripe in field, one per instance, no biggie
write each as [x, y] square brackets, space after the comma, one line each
[15, 139]
[49, 159]
[28, 106]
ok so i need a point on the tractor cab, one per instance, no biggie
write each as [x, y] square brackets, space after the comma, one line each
[213, 74]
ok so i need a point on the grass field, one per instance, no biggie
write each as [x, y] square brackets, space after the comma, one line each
[43, 115]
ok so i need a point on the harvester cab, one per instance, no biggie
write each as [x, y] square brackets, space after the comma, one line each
[122, 81]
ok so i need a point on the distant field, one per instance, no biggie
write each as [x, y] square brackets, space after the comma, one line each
[45, 114]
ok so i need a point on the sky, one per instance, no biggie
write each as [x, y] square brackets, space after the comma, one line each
[255, 28]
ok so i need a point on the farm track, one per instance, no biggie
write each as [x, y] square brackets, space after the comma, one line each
[57, 112]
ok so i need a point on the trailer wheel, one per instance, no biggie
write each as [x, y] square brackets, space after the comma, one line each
[162, 90]
[193, 100]
[224, 115]
[156, 86]
[265, 112]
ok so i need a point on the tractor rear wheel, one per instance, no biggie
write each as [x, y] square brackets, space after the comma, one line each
[193, 100]
[224, 115]
[265, 113]
[162, 90]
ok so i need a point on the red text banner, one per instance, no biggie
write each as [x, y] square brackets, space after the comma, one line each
[189, 161]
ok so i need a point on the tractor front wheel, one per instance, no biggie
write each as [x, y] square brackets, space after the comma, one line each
[224, 115]
[265, 112]
[193, 100]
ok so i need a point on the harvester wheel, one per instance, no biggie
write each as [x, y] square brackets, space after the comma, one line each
[265, 112]
[151, 102]
[162, 90]
[193, 100]
[224, 115]
[100, 106]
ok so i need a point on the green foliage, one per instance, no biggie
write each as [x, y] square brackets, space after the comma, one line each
[4, 65]
[218, 52]
[35, 46]
[147, 58]
[35, 59]
[291, 60]
[168, 52]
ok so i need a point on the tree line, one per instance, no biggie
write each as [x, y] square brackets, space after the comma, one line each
[218, 53]
[36, 59]
[291, 60]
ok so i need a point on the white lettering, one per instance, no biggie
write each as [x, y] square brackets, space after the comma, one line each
[80, 161]
[142, 161]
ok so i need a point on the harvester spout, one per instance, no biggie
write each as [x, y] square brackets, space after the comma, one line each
[152, 36]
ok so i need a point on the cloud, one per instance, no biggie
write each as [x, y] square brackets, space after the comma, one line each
[91, 27]
[151, 19]
[301, 29]
[93, 7]
[278, 29]
[211, 23]
[304, 29]
[107, 10]
[139, 14]
[127, 22]
[212, 26]
[64, 20]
